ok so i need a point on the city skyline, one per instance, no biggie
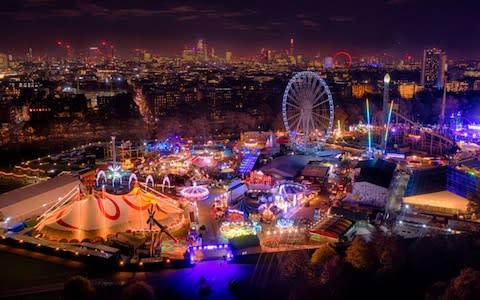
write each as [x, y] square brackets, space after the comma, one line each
[363, 28]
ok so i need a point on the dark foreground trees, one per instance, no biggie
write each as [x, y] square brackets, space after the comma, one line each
[442, 267]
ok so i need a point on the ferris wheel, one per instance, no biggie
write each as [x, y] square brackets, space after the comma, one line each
[307, 110]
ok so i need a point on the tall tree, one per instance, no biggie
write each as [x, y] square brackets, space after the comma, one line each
[322, 255]
[360, 255]
[465, 286]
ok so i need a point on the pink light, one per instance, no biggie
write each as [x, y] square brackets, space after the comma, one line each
[195, 192]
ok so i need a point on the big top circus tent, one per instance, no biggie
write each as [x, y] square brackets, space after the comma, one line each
[98, 215]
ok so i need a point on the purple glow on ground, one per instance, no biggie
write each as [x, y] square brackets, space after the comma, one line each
[186, 282]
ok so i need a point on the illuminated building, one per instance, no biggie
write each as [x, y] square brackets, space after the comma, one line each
[456, 122]
[205, 52]
[434, 66]
[476, 85]
[221, 96]
[187, 55]
[30, 54]
[360, 89]
[464, 180]
[164, 101]
[471, 73]
[291, 47]
[299, 59]
[457, 86]
[228, 57]
[408, 90]
[201, 52]
[25, 84]
[147, 57]
[3, 61]
[200, 45]
[269, 56]
[328, 62]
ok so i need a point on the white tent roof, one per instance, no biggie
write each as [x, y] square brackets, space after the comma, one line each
[100, 214]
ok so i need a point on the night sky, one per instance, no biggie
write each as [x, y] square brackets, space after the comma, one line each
[245, 26]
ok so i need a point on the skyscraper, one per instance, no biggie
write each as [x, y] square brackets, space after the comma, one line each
[434, 66]
[328, 62]
[200, 45]
[228, 57]
[201, 51]
[3, 61]
[291, 47]
[269, 56]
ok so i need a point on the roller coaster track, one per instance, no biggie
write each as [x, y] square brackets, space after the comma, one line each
[431, 141]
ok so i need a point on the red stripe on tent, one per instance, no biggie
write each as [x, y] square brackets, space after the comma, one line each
[62, 223]
[135, 206]
[102, 208]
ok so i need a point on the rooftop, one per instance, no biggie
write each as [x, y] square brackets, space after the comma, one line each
[34, 190]
[378, 172]
[444, 199]
[334, 227]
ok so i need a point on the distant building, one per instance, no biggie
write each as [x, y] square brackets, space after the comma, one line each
[476, 85]
[299, 59]
[147, 56]
[165, 101]
[408, 90]
[3, 62]
[187, 55]
[434, 66]
[360, 89]
[328, 63]
[201, 52]
[228, 57]
[291, 47]
[25, 84]
[457, 86]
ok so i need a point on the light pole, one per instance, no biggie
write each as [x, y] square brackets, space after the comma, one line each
[386, 96]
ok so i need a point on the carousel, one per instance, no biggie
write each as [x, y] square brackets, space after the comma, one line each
[195, 192]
